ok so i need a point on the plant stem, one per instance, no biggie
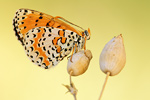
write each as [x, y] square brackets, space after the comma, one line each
[75, 98]
[72, 85]
[107, 75]
[70, 77]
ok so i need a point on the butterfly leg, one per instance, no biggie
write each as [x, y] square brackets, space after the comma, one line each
[70, 77]
[73, 52]
[85, 45]
[76, 50]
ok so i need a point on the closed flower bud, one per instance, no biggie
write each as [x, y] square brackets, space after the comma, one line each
[80, 62]
[113, 56]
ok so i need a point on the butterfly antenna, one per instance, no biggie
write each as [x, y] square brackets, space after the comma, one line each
[68, 22]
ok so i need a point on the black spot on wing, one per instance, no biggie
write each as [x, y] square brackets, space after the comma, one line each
[38, 44]
[17, 32]
[31, 56]
[68, 44]
[49, 35]
[34, 35]
[40, 40]
[53, 55]
[40, 17]
[25, 10]
[65, 50]
[71, 33]
[39, 65]
[25, 48]
[44, 48]
[41, 14]
[53, 48]
[57, 58]
[50, 59]
[48, 52]
[41, 58]
[32, 48]
[37, 53]
[69, 36]
[50, 30]
[46, 67]
[43, 34]
[44, 39]
[73, 37]
[70, 49]
[31, 41]
[44, 30]
[47, 24]
[23, 17]
[59, 26]
[44, 64]
[39, 30]
[36, 20]
[53, 63]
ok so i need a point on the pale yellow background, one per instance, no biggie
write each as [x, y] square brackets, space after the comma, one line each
[20, 79]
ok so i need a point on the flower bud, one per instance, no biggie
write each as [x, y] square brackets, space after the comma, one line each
[113, 56]
[80, 62]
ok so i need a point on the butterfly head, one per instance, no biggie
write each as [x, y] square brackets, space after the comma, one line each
[87, 34]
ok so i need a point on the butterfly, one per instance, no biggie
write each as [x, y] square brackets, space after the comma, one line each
[47, 39]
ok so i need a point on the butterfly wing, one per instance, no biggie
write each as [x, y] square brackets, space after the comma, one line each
[47, 46]
[26, 19]
[46, 40]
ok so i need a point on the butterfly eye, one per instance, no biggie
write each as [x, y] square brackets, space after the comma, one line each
[87, 34]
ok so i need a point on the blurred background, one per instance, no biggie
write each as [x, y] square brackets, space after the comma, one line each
[20, 79]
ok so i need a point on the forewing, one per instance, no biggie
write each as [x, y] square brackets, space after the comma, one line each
[26, 19]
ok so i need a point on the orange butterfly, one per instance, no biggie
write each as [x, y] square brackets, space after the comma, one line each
[47, 39]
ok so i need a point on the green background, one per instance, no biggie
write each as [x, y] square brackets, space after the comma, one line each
[20, 79]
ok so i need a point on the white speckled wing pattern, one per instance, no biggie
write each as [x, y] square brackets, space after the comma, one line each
[46, 43]
[46, 48]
